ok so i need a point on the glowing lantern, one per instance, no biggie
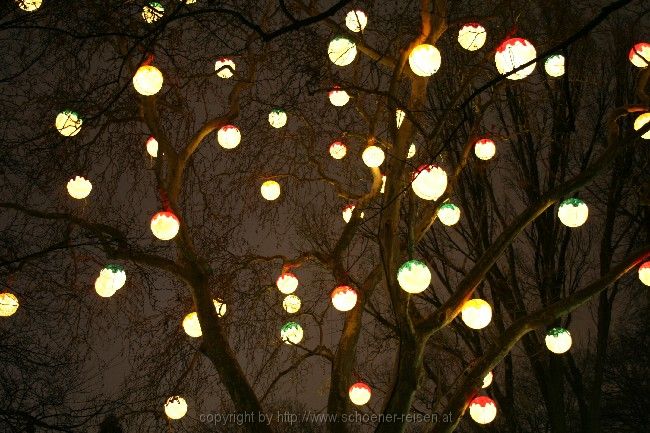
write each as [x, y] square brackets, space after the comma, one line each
[640, 122]
[558, 340]
[338, 150]
[383, 183]
[291, 333]
[483, 410]
[373, 156]
[359, 393]
[554, 65]
[229, 136]
[344, 298]
[414, 276]
[399, 117]
[175, 407]
[110, 280]
[8, 304]
[347, 213]
[356, 21]
[224, 68]
[342, 51]
[165, 225]
[68, 123]
[640, 55]
[152, 146]
[513, 53]
[644, 273]
[148, 80]
[277, 118]
[338, 97]
[29, 5]
[411, 152]
[79, 187]
[429, 182]
[449, 214]
[472, 36]
[573, 212]
[291, 304]
[484, 149]
[270, 190]
[476, 313]
[287, 283]
[487, 380]
[424, 60]
[191, 324]
[152, 12]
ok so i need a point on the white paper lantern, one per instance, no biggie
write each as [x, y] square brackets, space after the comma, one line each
[484, 149]
[640, 122]
[291, 333]
[175, 407]
[429, 182]
[224, 67]
[644, 273]
[29, 5]
[411, 152]
[424, 60]
[399, 117]
[287, 283]
[514, 53]
[347, 213]
[640, 55]
[573, 212]
[291, 304]
[414, 276]
[476, 313]
[449, 214]
[68, 123]
[344, 298]
[472, 36]
[338, 150]
[338, 97]
[229, 136]
[483, 410]
[554, 65]
[152, 147]
[79, 187]
[342, 51]
[359, 393]
[165, 225]
[110, 280]
[278, 118]
[487, 380]
[8, 304]
[558, 340]
[191, 324]
[148, 80]
[270, 190]
[356, 21]
[152, 12]
[373, 156]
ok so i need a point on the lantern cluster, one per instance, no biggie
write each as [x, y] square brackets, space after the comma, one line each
[111, 279]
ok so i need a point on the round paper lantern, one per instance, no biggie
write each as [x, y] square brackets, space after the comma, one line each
[411, 152]
[573, 212]
[291, 304]
[513, 53]
[270, 190]
[487, 380]
[191, 324]
[424, 60]
[165, 225]
[152, 12]
[224, 68]
[342, 51]
[344, 298]
[347, 213]
[287, 283]
[383, 183]
[414, 276]
[558, 340]
[79, 187]
[449, 214]
[175, 407]
[644, 273]
[554, 65]
[8, 304]
[29, 5]
[476, 313]
[359, 393]
[399, 117]
[356, 21]
[485, 149]
[483, 410]
[640, 122]
[640, 55]
[429, 182]
[68, 123]
[373, 156]
[148, 80]
[228, 136]
[291, 333]
[277, 118]
[110, 280]
[338, 97]
[152, 147]
[338, 150]
[472, 36]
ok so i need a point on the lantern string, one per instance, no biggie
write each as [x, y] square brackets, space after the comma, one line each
[513, 31]
[148, 60]
[164, 199]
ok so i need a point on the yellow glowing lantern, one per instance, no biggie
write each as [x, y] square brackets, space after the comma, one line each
[476, 313]
[359, 393]
[79, 187]
[356, 21]
[270, 190]
[229, 136]
[152, 12]
[278, 118]
[449, 214]
[644, 273]
[484, 149]
[573, 212]
[373, 156]
[347, 213]
[191, 324]
[165, 225]
[558, 340]
[414, 276]
[344, 298]
[175, 407]
[29, 5]
[640, 122]
[429, 182]
[640, 55]
[110, 280]
[424, 60]
[8, 304]
[483, 410]
[148, 80]
[152, 147]
[68, 123]
[411, 152]
[342, 51]
[291, 333]
[291, 304]
[554, 65]
[287, 283]
[338, 150]
[338, 97]
[399, 117]
[472, 36]
[224, 67]
[487, 380]
[514, 53]
[383, 183]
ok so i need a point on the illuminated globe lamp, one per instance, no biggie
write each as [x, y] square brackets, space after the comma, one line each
[414, 276]
[644, 273]
[344, 298]
[640, 122]
[291, 333]
[640, 55]
[152, 147]
[399, 117]
[558, 340]
[229, 137]
[270, 190]
[68, 123]
[224, 68]
[165, 225]
[79, 187]
[29, 5]
[356, 21]
[487, 380]
[287, 283]
[111, 279]
[424, 60]
[342, 51]
[483, 410]
[485, 149]
[573, 212]
[554, 65]
[476, 313]
[383, 183]
[411, 152]
[338, 150]
[152, 12]
[291, 304]
[148, 80]
[278, 118]
[513, 53]
[191, 324]
[8, 304]
[175, 407]
[449, 214]
[360, 393]
[373, 156]
[472, 36]
[347, 213]
[338, 97]
[429, 182]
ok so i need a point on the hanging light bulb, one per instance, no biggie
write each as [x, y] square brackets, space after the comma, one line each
[175, 407]
[287, 283]
[449, 214]
[191, 324]
[344, 298]
[270, 190]
[554, 65]
[338, 97]
[8, 304]
[640, 122]
[359, 393]
[485, 149]
[278, 118]
[79, 187]
[472, 36]
[342, 51]
[152, 147]
[110, 280]
[356, 21]
[483, 410]
[148, 80]
[512, 54]
[338, 150]
[640, 55]
[429, 182]
[373, 156]
[29, 5]
[412, 150]
[165, 225]
[228, 137]
[476, 313]
[414, 276]
[68, 123]
[558, 340]
[152, 12]
[291, 304]
[644, 273]
[291, 333]
[573, 212]
[487, 380]
[224, 67]
[424, 60]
